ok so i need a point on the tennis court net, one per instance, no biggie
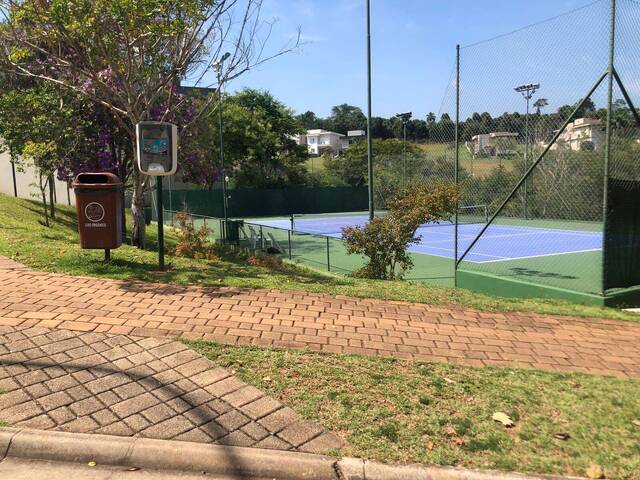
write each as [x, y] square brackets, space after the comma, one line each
[333, 223]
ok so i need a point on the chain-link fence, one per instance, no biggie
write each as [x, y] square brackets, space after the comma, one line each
[557, 170]
[539, 130]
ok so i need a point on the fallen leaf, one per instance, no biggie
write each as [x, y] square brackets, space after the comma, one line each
[133, 469]
[636, 423]
[503, 418]
[92, 463]
[562, 435]
[430, 446]
[460, 441]
[450, 431]
[267, 379]
[595, 471]
[448, 380]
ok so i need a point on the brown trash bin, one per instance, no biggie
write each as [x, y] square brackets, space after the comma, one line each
[99, 207]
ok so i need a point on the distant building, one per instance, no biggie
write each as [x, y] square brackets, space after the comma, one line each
[356, 135]
[493, 144]
[319, 141]
[581, 134]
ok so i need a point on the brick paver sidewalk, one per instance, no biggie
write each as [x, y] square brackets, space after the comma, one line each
[319, 322]
[149, 387]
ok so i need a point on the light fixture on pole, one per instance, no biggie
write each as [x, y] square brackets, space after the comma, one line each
[527, 90]
[218, 67]
[404, 117]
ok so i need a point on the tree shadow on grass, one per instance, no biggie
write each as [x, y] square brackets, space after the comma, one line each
[63, 218]
[210, 274]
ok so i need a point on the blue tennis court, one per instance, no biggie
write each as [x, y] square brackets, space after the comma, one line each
[499, 242]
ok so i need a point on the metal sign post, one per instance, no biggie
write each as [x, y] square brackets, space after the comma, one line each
[157, 149]
[160, 223]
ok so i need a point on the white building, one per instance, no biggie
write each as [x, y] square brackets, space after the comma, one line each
[494, 144]
[355, 136]
[320, 141]
[580, 133]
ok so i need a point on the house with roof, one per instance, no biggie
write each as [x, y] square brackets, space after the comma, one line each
[319, 141]
[492, 144]
[581, 134]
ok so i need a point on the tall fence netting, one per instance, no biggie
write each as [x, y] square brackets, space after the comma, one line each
[548, 218]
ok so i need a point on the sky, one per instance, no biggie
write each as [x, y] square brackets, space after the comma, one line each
[413, 50]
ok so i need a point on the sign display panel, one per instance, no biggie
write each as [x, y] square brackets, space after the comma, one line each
[157, 145]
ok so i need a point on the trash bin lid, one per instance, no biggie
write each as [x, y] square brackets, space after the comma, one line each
[97, 180]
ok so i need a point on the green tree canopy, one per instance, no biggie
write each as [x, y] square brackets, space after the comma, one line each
[259, 144]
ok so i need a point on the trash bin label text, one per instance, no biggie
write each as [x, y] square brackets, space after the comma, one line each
[94, 212]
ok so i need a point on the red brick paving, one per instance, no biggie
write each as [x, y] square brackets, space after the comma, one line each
[319, 322]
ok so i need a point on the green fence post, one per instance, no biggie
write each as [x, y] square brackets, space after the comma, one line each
[261, 239]
[607, 146]
[457, 160]
[328, 259]
[289, 239]
[369, 138]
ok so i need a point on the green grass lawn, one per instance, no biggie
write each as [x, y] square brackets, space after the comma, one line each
[479, 166]
[398, 411]
[55, 249]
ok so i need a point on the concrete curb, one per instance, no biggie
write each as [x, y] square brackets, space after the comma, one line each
[231, 462]
[357, 469]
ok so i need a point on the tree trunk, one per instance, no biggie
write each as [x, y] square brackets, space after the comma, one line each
[138, 230]
[43, 189]
[123, 176]
[52, 196]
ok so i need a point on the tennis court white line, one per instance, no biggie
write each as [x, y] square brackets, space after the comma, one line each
[487, 237]
[511, 235]
[449, 257]
[472, 253]
[544, 255]
[585, 233]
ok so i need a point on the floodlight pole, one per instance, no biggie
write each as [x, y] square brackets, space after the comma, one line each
[526, 153]
[218, 67]
[404, 154]
[527, 92]
[369, 141]
[405, 117]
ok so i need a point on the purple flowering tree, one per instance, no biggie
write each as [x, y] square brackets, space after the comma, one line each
[129, 57]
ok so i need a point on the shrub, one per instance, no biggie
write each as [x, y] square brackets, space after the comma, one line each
[270, 263]
[384, 241]
[190, 242]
